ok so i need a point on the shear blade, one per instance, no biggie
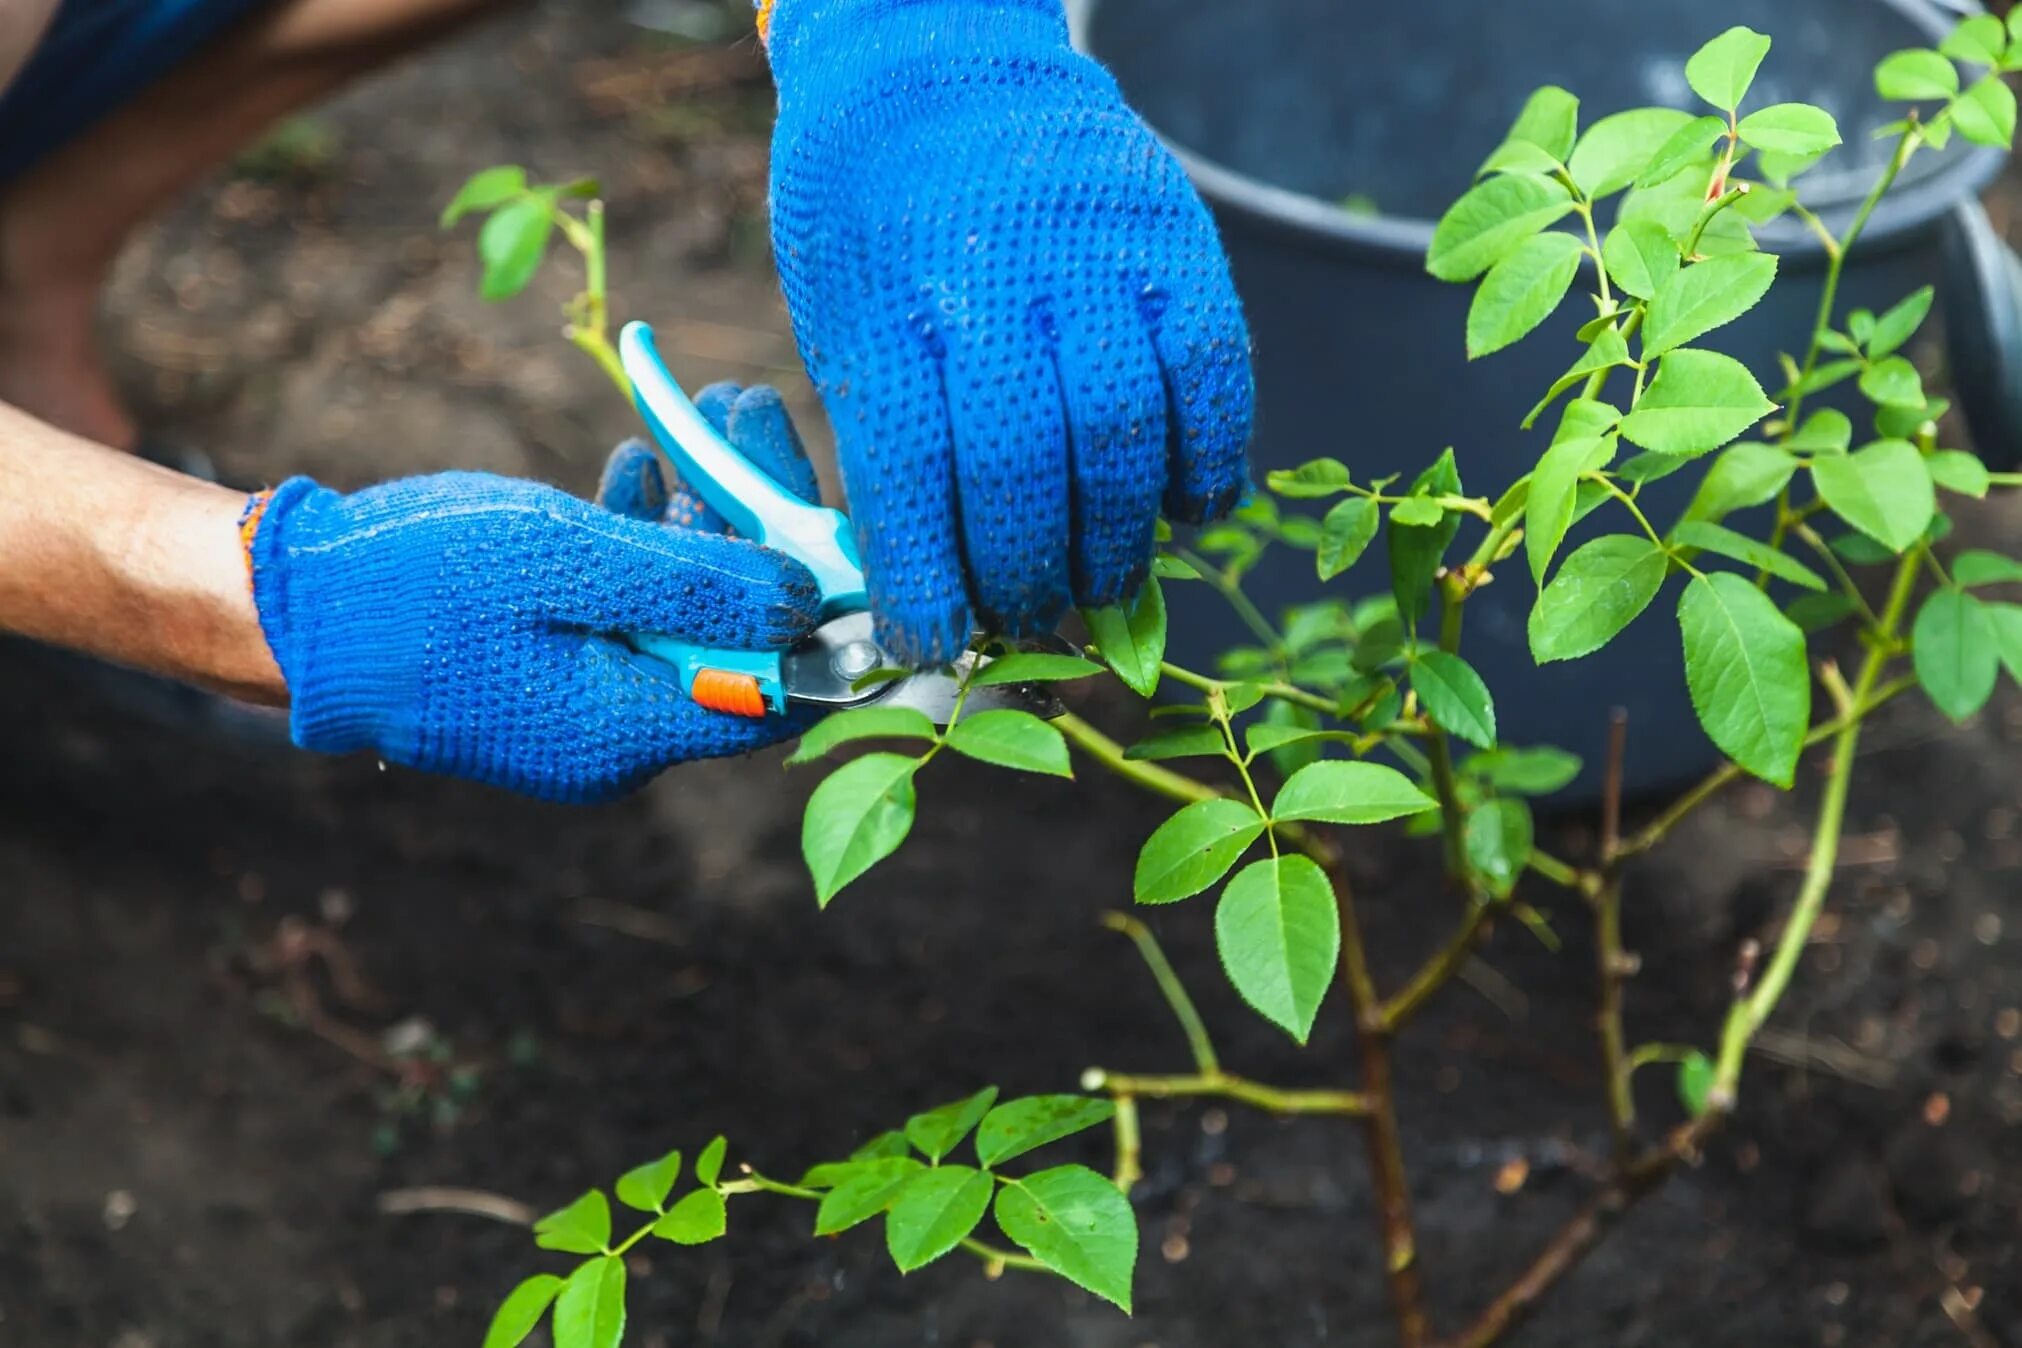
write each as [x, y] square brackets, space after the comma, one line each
[821, 672]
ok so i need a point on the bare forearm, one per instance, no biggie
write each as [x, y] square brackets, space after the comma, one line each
[106, 554]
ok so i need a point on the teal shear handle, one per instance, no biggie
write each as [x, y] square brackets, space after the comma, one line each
[746, 683]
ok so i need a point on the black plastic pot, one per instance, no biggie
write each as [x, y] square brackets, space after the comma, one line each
[1282, 108]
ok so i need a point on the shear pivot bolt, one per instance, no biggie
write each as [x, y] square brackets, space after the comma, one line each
[857, 659]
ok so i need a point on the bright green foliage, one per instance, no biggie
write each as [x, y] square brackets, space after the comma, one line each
[1550, 121]
[1076, 1223]
[698, 1218]
[1499, 836]
[1454, 696]
[1131, 638]
[1640, 256]
[1698, 299]
[1032, 667]
[857, 818]
[1790, 128]
[939, 1131]
[646, 1187]
[1011, 739]
[934, 1213]
[1279, 934]
[1313, 479]
[862, 723]
[1598, 592]
[521, 1311]
[1695, 1082]
[1417, 551]
[1721, 71]
[1344, 534]
[1725, 542]
[1900, 323]
[583, 1227]
[867, 1190]
[1976, 567]
[1616, 149]
[1549, 512]
[1958, 657]
[1491, 222]
[710, 1163]
[1181, 741]
[1957, 471]
[1687, 148]
[1745, 666]
[484, 190]
[1883, 490]
[1195, 848]
[1010, 1130]
[1348, 793]
[590, 1309]
[1698, 402]
[1745, 475]
[1522, 291]
[1985, 113]
[1916, 75]
[1526, 772]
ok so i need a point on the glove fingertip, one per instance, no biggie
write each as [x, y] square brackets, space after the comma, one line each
[762, 428]
[715, 402]
[632, 484]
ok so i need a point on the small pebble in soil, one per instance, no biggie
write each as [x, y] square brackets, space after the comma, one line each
[1215, 1122]
[120, 1206]
[2008, 1022]
[1987, 928]
[1836, 1294]
[1937, 1108]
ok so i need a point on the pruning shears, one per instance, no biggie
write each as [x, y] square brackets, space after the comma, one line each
[830, 668]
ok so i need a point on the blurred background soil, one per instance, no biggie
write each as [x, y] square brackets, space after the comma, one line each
[244, 994]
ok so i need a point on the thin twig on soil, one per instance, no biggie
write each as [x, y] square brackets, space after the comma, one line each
[470, 1202]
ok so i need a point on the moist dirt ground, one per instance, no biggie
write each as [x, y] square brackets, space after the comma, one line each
[208, 950]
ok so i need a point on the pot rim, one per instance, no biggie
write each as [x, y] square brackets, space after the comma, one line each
[1403, 240]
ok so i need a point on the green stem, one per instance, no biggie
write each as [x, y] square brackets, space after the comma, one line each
[1150, 776]
[996, 1260]
[1227, 1086]
[1751, 1011]
[1836, 263]
[1183, 1009]
[1809, 536]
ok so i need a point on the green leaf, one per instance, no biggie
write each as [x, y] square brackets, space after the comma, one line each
[939, 1131]
[1753, 552]
[1955, 651]
[646, 1187]
[1979, 567]
[1823, 432]
[1790, 128]
[521, 1311]
[1916, 75]
[855, 819]
[1985, 113]
[1499, 837]
[1705, 296]
[1417, 551]
[1349, 793]
[1131, 639]
[1687, 147]
[1860, 550]
[1900, 324]
[1980, 39]
[1605, 352]
[1585, 417]
[1518, 156]
[1267, 737]
[891, 1142]
[1957, 471]
[1279, 935]
[1314, 478]
[1816, 612]
[1893, 382]
[1011, 739]
[1745, 667]
[697, 1219]
[1826, 376]
[934, 1212]
[1721, 71]
[1745, 475]
[1168, 567]
[1652, 467]
[1193, 849]
[1181, 741]
[481, 191]
[709, 1164]
[1010, 1130]
[1491, 221]
[863, 723]
[2008, 637]
[1641, 256]
[1616, 149]
[1884, 491]
[1344, 534]
[1419, 511]
[1522, 291]
[1599, 591]
[511, 245]
[1078, 1224]
[583, 1227]
[866, 1193]
[1033, 667]
[1550, 120]
[1698, 402]
[1695, 1082]
[590, 1309]
[1526, 772]
[1454, 696]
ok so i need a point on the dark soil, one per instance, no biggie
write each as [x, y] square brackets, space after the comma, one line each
[193, 1139]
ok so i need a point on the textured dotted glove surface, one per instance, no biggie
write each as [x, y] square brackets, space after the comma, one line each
[1014, 305]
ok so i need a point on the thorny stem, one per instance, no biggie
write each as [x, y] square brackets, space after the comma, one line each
[1452, 819]
[1612, 963]
[589, 325]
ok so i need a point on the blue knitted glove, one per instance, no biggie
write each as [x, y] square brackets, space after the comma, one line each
[465, 623]
[1013, 303]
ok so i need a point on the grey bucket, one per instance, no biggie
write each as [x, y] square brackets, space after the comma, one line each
[1282, 108]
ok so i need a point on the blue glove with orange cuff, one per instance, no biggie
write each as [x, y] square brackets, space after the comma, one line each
[470, 624]
[1012, 302]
